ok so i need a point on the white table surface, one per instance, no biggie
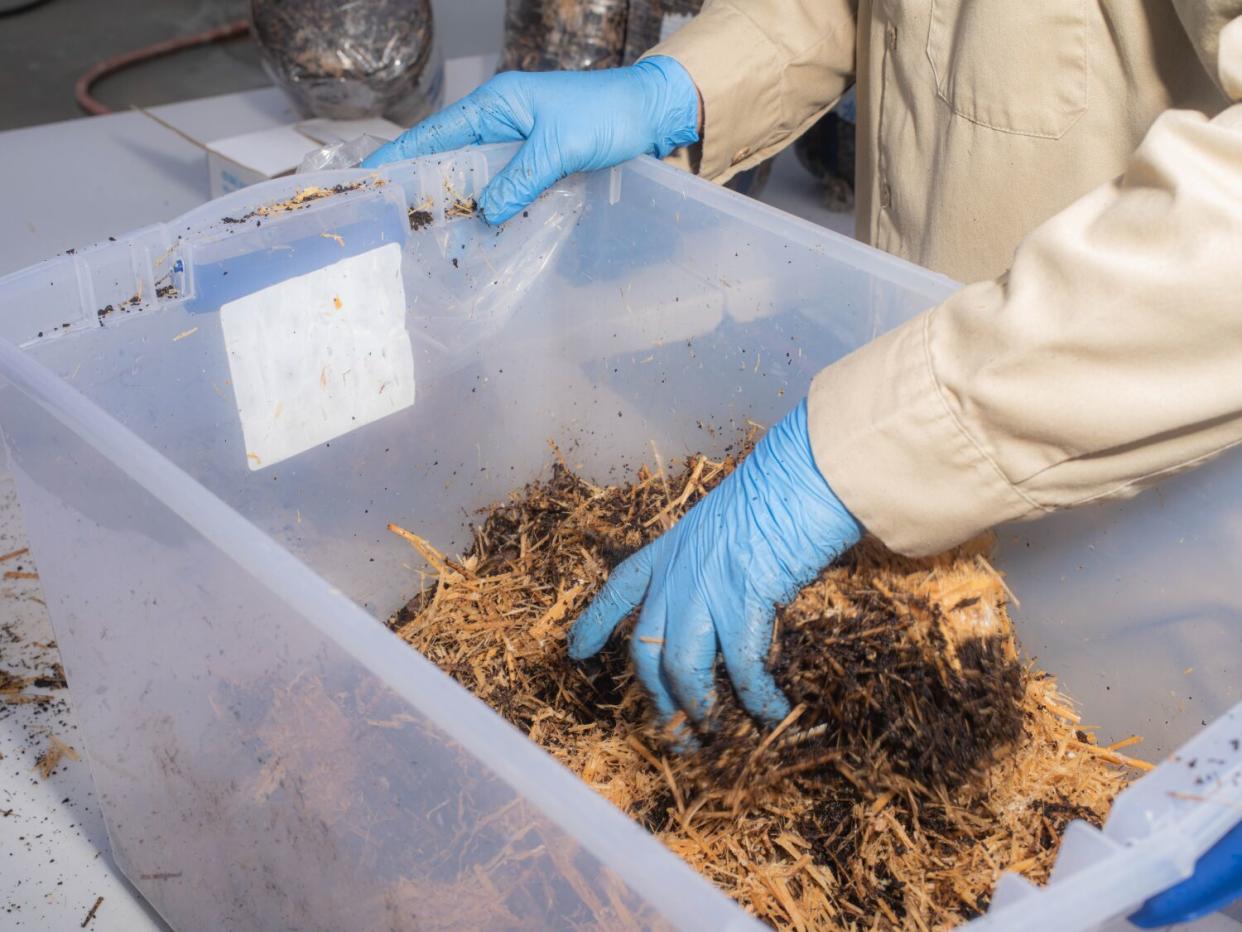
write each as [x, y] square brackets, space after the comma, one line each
[72, 184]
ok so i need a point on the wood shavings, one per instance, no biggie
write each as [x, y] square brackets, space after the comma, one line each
[93, 910]
[11, 683]
[12, 687]
[304, 197]
[340, 240]
[300, 199]
[185, 333]
[19, 574]
[50, 759]
[922, 758]
[13, 554]
[460, 207]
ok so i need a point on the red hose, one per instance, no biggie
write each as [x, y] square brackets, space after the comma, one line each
[82, 88]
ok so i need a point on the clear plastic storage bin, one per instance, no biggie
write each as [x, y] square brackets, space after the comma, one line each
[212, 421]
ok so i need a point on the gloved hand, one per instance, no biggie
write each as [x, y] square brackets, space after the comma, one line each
[713, 581]
[572, 121]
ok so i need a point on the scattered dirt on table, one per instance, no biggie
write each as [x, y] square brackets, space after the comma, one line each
[922, 758]
[13, 688]
[53, 680]
[50, 759]
[93, 910]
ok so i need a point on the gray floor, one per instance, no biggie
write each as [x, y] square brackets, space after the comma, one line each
[45, 48]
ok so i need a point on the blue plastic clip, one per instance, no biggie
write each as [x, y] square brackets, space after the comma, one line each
[1216, 882]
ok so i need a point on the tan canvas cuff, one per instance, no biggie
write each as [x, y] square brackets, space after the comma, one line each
[741, 88]
[885, 437]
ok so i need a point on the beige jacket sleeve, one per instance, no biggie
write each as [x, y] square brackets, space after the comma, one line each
[787, 64]
[1107, 357]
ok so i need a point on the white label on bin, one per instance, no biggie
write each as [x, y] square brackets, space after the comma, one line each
[316, 356]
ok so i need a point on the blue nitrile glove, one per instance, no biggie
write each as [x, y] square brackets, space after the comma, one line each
[572, 121]
[1216, 882]
[714, 580]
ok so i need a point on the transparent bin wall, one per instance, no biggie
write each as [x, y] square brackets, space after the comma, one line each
[639, 306]
[252, 730]
[267, 755]
[1136, 607]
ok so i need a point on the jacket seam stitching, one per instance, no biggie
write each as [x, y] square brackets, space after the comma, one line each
[1075, 115]
[1113, 491]
[834, 31]
[1032, 134]
[778, 134]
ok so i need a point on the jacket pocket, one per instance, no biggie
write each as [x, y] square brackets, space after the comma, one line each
[1015, 66]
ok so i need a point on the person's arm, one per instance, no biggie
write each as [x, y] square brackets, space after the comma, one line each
[766, 70]
[1107, 357]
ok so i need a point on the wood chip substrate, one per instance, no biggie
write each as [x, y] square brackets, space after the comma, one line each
[923, 756]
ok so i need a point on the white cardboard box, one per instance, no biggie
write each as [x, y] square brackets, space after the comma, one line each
[238, 161]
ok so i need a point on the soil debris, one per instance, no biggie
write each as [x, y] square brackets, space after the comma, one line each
[54, 680]
[13, 687]
[922, 757]
[420, 218]
[11, 683]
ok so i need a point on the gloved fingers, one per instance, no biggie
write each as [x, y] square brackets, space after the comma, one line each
[689, 659]
[646, 648]
[482, 116]
[625, 588]
[535, 168]
[746, 659]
